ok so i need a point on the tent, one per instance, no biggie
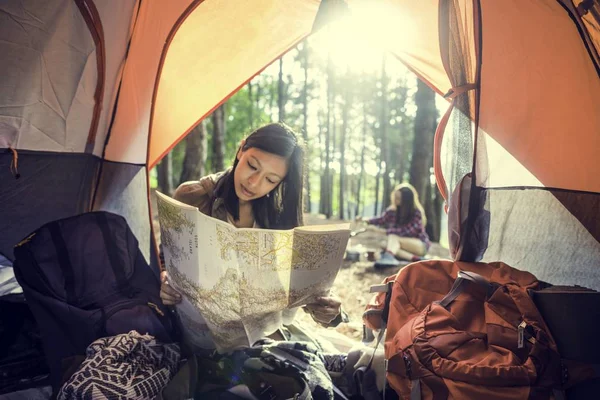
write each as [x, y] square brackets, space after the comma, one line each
[94, 92]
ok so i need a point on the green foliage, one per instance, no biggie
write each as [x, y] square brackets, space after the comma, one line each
[237, 118]
[359, 90]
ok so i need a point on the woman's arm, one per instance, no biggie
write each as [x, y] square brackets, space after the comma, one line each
[384, 219]
[194, 193]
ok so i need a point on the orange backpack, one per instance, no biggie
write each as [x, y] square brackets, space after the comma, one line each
[457, 330]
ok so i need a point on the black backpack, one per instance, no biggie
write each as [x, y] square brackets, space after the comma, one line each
[22, 361]
[84, 277]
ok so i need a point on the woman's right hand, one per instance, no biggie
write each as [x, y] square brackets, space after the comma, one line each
[168, 294]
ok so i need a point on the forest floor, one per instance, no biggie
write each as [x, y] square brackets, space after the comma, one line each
[354, 278]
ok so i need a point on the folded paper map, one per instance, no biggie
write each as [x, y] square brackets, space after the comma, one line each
[236, 282]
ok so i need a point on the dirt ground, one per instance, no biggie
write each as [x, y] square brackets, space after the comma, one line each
[354, 278]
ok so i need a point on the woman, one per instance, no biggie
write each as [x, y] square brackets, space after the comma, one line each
[263, 189]
[404, 223]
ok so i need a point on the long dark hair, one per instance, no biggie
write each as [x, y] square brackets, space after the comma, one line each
[408, 204]
[282, 208]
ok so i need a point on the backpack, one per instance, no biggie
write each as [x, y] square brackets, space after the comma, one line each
[269, 370]
[84, 278]
[22, 361]
[468, 331]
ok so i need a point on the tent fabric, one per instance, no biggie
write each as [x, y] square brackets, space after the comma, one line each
[123, 190]
[129, 134]
[587, 13]
[49, 73]
[535, 130]
[521, 80]
[208, 40]
[531, 229]
[51, 186]
[456, 130]
[117, 23]
[51, 66]
[542, 108]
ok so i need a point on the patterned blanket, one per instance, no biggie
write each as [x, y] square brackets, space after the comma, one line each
[127, 366]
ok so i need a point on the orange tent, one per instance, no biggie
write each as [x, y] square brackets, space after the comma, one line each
[95, 92]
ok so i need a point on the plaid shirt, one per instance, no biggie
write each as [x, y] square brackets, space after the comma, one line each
[414, 227]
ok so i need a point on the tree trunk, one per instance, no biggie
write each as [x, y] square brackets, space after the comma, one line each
[362, 159]
[251, 110]
[422, 157]
[343, 133]
[258, 94]
[280, 92]
[195, 154]
[327, 176]
[322, 181]
[332, 143]
[430, 211]
[377, 178]
[438, 204]
[399, 161]
[218, 119]
[307, 199]
[270, 91]
[164, 170]
[385, 147]
[433, 210]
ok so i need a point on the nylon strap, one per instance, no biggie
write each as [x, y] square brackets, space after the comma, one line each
[459, 286]
[368, 336]
[457, 91]
[64, 261]
[379, 337]
[383, 288]
[415, 391]
[111, 249]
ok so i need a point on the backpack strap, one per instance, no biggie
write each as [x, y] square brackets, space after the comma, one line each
[415, 389]
[64, 261]
[365, 382]
[116, 263]
[459, 286]
[370, 392]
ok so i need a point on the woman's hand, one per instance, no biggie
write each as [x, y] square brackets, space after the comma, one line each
[324, 309]
[168, 294]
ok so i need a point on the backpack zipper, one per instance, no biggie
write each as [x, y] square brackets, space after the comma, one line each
[523, 334]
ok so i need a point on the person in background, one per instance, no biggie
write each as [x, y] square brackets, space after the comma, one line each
[404, 222]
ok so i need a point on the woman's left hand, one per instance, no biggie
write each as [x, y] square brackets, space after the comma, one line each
[324, 309]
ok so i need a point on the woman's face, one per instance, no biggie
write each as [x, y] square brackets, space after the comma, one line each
[398, 198]
[257, 173]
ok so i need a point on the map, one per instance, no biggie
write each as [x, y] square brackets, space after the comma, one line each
[235, 283]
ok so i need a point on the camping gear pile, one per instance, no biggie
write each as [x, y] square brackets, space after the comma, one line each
[473, 330]
[84, 279]
[95, 92]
